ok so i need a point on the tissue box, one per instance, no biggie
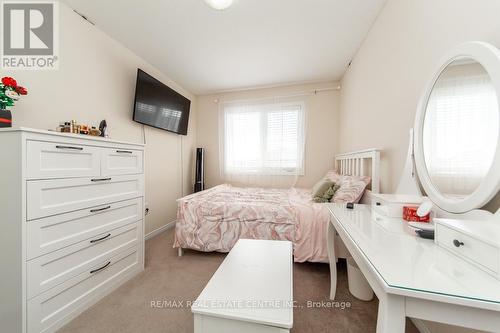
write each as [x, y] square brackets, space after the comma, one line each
[410, 214]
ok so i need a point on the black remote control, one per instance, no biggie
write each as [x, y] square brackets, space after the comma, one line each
[427, 234]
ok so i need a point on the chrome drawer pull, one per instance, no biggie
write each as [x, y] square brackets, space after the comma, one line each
[100, 239]
[100, 179]
[100, 269]
[99, 209]
[457, 243]
[124, 151]
[69, 147]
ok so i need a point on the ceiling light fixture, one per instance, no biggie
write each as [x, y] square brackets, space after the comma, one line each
[219, 4]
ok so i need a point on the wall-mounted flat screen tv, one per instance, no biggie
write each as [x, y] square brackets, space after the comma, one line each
[159, 106]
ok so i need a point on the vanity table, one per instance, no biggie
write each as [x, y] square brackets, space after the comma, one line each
[454, 158]
[412, 276]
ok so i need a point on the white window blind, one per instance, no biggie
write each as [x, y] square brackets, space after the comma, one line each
[263, 138]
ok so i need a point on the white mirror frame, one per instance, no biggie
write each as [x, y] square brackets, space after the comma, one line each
[489, 57]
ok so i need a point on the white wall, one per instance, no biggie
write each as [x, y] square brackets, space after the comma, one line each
[381, 89]
[96, 80]
[322, 130]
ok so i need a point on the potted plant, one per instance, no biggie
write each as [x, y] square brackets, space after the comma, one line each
[9, 94]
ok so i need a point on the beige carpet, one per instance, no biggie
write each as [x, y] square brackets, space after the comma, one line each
[171, 278]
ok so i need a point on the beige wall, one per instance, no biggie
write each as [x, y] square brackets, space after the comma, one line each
[321, 133]
[96, 80]
[381, 89]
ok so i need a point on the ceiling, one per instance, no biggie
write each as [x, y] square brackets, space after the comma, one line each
[253, 43]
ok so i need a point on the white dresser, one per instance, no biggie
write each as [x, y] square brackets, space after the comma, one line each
[72, 224]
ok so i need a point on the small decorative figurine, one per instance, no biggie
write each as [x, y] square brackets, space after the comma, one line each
[103, 128]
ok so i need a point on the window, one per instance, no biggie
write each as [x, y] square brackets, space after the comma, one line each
[263, 138]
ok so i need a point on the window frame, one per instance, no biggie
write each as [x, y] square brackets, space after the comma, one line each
[272, 106]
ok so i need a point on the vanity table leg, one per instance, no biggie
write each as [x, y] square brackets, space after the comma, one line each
[332, 260]
[391, 314]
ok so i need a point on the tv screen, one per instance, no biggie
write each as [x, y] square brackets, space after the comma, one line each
[159, 106]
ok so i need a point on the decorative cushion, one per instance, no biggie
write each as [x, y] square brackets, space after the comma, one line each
[321, 187]
[351, 187]
[328, 195]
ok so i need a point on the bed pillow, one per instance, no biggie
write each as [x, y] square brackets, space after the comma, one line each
[334, 176]
[321, 187]
[351, 188]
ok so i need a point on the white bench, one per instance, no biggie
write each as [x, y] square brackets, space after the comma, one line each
[251, 292]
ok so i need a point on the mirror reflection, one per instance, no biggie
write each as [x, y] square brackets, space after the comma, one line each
[460, 133]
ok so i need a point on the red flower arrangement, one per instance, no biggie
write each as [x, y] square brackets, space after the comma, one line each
[10, 82]
[21, 90]
[10, 92]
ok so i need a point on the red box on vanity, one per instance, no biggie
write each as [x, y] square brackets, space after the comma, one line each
[410, 214]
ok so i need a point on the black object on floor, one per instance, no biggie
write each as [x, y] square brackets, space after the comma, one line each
[199, 184]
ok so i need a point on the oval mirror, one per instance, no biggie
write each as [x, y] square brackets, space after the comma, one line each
[457, 130]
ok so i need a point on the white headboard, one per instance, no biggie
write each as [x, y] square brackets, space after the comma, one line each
[361, 163]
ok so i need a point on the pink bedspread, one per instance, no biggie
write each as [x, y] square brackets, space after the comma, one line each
[213, 220]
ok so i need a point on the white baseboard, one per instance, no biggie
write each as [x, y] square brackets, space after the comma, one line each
[420, 325]
[161, 229]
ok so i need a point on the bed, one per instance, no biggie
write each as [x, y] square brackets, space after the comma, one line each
[214, 219]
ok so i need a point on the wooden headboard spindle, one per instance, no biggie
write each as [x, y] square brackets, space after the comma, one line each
[353, 164]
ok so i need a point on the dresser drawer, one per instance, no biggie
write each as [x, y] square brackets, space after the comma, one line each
[48, 311]
[121, 162]
[55, 232]
[51, 197]
[61, 160]
[469, 248]
[54, 268]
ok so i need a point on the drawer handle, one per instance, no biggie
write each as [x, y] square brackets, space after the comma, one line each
[69, 147]
[99, 209]
[100, 239]
[457, 243]
[100, 179]
[124, 152]
[100, 268]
